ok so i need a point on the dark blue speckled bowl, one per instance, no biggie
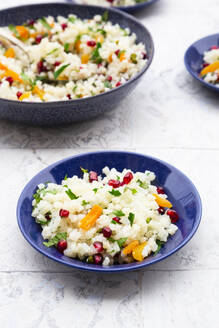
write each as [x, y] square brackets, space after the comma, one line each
[194, 57]
[51, 113]
[130, 9]
[180, 190]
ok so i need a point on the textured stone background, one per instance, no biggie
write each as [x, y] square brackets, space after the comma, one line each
[169, 116]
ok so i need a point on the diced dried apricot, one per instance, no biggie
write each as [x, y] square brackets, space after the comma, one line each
[129, 248]
[110, 58]
[89, 220]
[210, 68]
[78, 46]
[23, 32]
[99, 38]
[85, 58]
[40, 93]
[9, 53]
[122, 56]
[24, 96]
[137, 252]
[162, 201]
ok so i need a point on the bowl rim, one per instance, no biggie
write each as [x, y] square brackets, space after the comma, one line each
[81, 100]
[124, 8]
[113, 268]
[189, 68]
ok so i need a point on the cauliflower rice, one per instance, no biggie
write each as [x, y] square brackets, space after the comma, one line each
[104, 220]
[70, 58]
[210, 67]
[113, 3]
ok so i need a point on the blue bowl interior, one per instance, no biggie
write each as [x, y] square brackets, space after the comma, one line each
[180, 190]
[194, 57]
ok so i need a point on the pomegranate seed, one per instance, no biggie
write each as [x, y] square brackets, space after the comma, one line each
[144, 55]
[109, 78]
[99, 65]
[38, 39]
[64, 26]
[69, 96]
[114, 183]
[116, 219]
[57, 63]
[205, 64]
[98, 259]
[117, 52]
[127, 178]
[107, 232]
[174, 217]
[111, 1]
[47, 216]
[118, 84]
[214, 47]
[161, 210]
[99, 246]
[31, 22]
[19, 94]
[41, 67]
[64, 213]
[62, 245]
[91, 43]
[10, 80]
[93, 176]
[160, 190]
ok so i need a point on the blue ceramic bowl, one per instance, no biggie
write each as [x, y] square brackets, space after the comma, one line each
[194, 57]
[58, 112]
[131, 9]
[180, 190]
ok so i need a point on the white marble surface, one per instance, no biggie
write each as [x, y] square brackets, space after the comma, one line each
[169, 116]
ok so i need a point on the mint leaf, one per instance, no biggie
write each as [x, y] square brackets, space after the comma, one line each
[71, 19]
[71, 195]
[52, 51]
[115, 193]
[121, 241]
[66, 47]
[42, 222]
[134, 191]
[83, 170]
[54, 241]
[66, 177]
[95, 190]
[118, 213]
[148, 220]
[84, 202]
[131, 218]
[143, 185]
[133, 58]
[111, 239]
[159, 244]
[108, 85]
[95, 55]
[59, 71]
[43, 21]
[105, 16]
[13, 29]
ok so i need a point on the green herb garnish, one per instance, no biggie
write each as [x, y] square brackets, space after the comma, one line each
[133, 58]
[54, 241]
[108, 85]
[115, 193]
[52, 51]
[43, 21]
[105, 16]
[148, 220]
[71, 195]
[118, 213]
[71, 19]
[66, 47]
[121, 241]
[84, 203]
[159, 244]
[42, 222]
[134, 191]
[13, 29]
[95, 55]
[84, 170]
[131, 218]
[59, 71]
[95, 190]
[66, 177]
[143, 185]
